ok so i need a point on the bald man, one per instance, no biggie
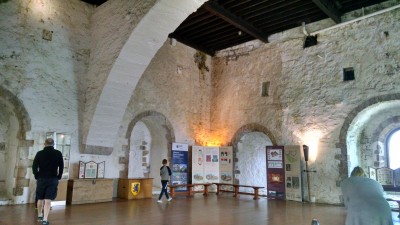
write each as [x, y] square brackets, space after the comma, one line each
[47, 167]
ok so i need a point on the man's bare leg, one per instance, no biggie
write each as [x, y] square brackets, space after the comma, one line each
[46, 209]
[40, 208]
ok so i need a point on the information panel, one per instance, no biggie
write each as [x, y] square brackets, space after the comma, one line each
[293, 173]
[179, 165]
[211, 166]
[198, 166]
[275, 171]
[226, 165]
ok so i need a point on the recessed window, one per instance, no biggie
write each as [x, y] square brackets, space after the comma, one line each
[348, 74]
[265, 89]
[394, 150]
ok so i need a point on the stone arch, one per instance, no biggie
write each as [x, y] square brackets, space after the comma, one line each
[242, 131]
[19, 110]
[253, 127]
[169, 135]
[24, 125]
[129, 66]
[343, 165]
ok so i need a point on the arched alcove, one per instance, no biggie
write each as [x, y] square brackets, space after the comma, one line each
[14, 148]
[150, 137]
[249, 154]
[363, 132]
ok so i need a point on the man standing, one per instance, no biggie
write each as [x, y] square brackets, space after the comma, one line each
[165, 173]
[47, 167]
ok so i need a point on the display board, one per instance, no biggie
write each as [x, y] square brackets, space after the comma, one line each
[179, 165]
[226, 165]
[198, 166]
[293, 173]
[211, 165]
[275, 171]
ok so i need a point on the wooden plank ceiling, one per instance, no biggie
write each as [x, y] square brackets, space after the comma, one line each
[219, 24]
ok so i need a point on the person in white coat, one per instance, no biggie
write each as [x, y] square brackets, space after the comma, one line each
[364, 201]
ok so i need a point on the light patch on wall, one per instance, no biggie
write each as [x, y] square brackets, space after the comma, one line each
[41, 8]
[311, 138]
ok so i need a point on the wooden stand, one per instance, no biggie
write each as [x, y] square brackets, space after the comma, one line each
[125, 185]
[81, 191]
[62, 190]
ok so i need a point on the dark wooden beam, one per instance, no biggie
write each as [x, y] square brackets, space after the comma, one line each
[235, 21]
[329, 8]
[191, 44]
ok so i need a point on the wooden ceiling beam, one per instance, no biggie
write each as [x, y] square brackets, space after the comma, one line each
[191, 44]
[329, 8]
[236, 21]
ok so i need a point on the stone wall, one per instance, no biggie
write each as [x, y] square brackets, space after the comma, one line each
[308, 100]
[173, 86]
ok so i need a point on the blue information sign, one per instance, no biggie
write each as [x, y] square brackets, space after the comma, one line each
[179, 165]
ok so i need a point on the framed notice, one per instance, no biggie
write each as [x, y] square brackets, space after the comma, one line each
[384, 176]
[101, 169]
[372, 173]
[91, 170]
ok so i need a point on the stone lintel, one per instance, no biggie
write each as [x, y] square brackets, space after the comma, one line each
[96, 150]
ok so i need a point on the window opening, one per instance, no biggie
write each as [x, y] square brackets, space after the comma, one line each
[394, 149]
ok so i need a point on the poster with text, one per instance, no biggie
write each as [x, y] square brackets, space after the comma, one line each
[211, 166]
[275, 171]
[226, 167]
[384, 176]
[198, 166]
[293, 173]
[179, 165]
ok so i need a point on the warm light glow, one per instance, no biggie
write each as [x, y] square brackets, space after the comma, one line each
[311, 138]
[41, 8]
[213, 144]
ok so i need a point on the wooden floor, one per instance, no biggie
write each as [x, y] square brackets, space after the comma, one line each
[198, 210]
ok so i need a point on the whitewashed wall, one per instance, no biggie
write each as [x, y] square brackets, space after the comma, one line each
[308, 99]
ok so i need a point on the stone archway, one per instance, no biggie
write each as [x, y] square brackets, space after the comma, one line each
[251, 136]
[161, 133]
[136, 54]
[342, 144]
[18, 144]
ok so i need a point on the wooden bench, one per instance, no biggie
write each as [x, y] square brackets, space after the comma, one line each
[236, 191]
[190, 188]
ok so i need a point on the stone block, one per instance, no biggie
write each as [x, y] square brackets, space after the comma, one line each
[21, 172]
[2, 146]
[22, 182]
[122, 160]
[18, 191]
[23, 152]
